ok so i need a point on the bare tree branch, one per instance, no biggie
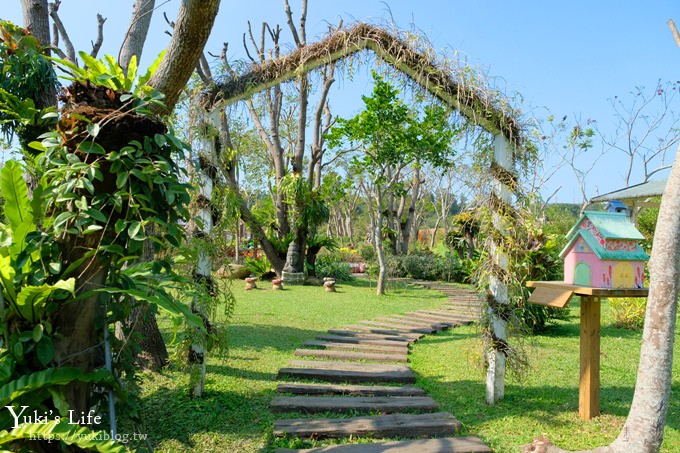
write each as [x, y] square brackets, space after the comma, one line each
[100, 36]
[674, 30]
[70, 51]
[291, 24]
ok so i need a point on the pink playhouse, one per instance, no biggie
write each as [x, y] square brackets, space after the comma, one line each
[603, 252]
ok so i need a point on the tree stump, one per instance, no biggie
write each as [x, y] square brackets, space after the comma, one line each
[329, 286]
[250, 283]
[277, 284]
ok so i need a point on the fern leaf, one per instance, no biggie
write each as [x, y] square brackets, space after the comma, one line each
[60, 430]
[47, 378]
[13, 188]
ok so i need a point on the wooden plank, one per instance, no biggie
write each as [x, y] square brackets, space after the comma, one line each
[434, 318]
[398, 348]
[348, 372]
[441, 445]
[451, 314]
[402, 425]
[383, 331]
[552, 297]
[411, 321]
[374, 336]
[588, 291]
[423, 330]
[428, 314]
[360, 340]
[344, 404]
[351, 355]
[358, 390]
[347, 365]
[589, 385]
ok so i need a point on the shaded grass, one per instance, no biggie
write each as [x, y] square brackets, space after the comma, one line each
[545, 401]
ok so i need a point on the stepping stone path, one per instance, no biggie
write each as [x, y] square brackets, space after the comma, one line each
[359, 370]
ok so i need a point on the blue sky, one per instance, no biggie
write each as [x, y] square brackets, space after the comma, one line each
[570, 57]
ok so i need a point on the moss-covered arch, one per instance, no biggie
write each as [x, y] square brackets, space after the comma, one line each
[491, 112]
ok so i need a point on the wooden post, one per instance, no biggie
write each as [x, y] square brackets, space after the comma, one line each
[589, 388]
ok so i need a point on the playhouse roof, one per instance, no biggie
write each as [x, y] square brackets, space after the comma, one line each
[611, 225]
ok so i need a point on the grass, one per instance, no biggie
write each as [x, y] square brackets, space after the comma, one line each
[545, 401]
[268, 326]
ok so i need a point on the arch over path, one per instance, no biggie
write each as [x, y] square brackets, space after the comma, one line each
[486, 109]
[491, 113]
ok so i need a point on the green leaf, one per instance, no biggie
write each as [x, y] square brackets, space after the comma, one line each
[7, 274]
[38, 146]
[134, 228]
[45, 351]
[54, 267]
[121, 180]
[18, 350]
[63, 218]
[17, 207]
[61, 430]
[131, 74]
[97, 215]
[120, 225]
[93, 129]
[31, 299]
[46, 378]
[37, 333]
[89, 146]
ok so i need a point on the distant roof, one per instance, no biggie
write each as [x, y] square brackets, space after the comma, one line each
[652, 188]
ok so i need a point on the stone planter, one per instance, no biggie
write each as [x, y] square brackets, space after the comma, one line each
[250, 283]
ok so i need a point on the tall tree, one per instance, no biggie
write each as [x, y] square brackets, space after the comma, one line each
[391, 138]
[78, 344]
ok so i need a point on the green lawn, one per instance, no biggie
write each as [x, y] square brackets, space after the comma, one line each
[545, 402]
[268, 326]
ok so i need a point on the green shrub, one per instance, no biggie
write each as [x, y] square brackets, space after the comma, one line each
[333, 267]
[422, 266]
[258, 266]
[629, 312]
[367, 253]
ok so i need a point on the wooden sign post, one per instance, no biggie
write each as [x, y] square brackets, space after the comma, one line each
[558, 294]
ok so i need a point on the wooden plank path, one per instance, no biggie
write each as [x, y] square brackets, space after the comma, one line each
[353, 375]
[446, 445]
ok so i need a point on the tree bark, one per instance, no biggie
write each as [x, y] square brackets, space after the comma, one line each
[192, 28]
[133, 42]
[643, 430]
[407, 226]
[37, 21]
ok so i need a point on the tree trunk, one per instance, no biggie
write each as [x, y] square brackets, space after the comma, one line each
[134, 40]
[382, 264]
[143, 324]
[79, 342]
[407, 227]
[643, 430]
[194, 23]
[37, 20]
